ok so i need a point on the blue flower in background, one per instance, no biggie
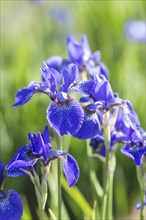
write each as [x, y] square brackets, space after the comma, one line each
[39, 148]
[80, 54]
[10, 201]
[135, 30]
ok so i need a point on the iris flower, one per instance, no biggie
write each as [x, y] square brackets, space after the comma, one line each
[39, 148]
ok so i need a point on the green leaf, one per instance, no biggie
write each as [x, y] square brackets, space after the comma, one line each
[26, 210]
[78, 198]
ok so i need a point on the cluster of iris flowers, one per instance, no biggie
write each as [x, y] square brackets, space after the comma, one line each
[83, 105]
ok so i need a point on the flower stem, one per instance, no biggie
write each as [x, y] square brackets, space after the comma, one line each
[108, 172]
[97, 190]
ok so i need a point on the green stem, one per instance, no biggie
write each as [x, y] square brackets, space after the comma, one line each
[108, 172]
[112, 165]
[59, 172]
[95, 185]
[106, 188]
[142, 207]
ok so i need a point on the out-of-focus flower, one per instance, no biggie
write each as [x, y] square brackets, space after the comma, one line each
[60, 15]
[135, 30]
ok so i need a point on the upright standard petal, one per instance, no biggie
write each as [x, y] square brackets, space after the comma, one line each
[71, 170]
[10, 205]
[79, 52]
[70, 75]
[51, 78]
[65, 117]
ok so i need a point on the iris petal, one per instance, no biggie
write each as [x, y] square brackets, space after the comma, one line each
[25, 94]
[65, 117]
[70, 75]
[135, 153]
[71, 170]
[90, 126]
[10, 205]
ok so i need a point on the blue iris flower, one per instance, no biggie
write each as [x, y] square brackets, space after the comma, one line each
[99, 94]
[39, 148]
[64, 114]
[10, 201]
[80, 54]
[135, 147]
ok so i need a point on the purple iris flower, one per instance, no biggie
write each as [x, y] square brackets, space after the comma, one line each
[80, 54]
[98, 144]
[64, 114]
[135, 147]
[135, 30]
[127, 119]
[10, 201]
[39, 148]
[100, 94]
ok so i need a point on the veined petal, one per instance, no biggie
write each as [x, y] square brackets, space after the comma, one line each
[90, 126]
[25, 94]
[71, 170]
[15, 169]
[65, 117]
[22, 159]
[10, 205]
[134, 152]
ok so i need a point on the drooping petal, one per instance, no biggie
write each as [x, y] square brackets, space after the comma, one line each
[56, 153]
[70, 75]
[1, 170]
[15, 169]
[22, 159]
[25, 94]
[65, 117]
[71, 170]
[10, 205]
[134, 152]
[90, 126]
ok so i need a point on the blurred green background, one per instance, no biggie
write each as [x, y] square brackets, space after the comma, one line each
[32, 31]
